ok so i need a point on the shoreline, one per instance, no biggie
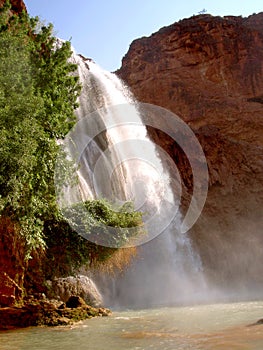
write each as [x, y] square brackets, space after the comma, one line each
[48, 313]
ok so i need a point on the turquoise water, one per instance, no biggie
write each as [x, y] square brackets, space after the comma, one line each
[217, 326]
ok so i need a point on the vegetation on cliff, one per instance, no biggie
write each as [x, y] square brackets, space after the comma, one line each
[37, 101]
[38, 95]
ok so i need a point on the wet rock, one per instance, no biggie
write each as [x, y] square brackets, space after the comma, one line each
[48, 313]
[79, 286]
[259, 322]
[209, 71]
[74, 302]
[104, 312]
[63, 321]
[62, 306]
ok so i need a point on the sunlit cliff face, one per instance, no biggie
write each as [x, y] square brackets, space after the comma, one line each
[209, 71]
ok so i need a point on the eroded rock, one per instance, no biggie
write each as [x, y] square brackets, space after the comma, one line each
[46, 313]
[79, 286]
[74, 302]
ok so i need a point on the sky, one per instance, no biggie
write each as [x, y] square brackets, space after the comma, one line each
[103, 30]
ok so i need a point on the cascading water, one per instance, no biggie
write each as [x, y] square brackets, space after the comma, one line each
[122, 164]
[100, 91]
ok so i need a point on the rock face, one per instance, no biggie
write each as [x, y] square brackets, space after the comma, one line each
[81, 286]
[209, 71]
[47, 313]
[12, 265]
[17, 5]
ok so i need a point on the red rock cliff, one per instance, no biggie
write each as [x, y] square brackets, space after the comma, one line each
[209, 71]
[17, 5]
[12, 247]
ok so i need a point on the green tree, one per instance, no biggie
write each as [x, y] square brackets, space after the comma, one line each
[38, 94]
[37, 99]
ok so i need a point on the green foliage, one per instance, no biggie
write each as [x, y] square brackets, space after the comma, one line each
[38, 93]
[103, 223]
[37, 100]
[67, 250]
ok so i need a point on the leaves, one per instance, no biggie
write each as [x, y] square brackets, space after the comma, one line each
[38, 95]
[37, 101]
[71, 251]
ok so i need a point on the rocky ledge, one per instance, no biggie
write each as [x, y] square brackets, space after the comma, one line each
[48, 313]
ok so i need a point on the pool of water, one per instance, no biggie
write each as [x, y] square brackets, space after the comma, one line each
[214, 327]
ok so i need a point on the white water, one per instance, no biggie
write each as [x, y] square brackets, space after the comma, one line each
[121, 163]
[140, 180]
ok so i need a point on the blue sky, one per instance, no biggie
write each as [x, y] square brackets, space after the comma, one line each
[103, 30]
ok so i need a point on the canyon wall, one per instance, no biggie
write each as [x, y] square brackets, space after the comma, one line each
[209, 71]
[12, 247]
[17, 6]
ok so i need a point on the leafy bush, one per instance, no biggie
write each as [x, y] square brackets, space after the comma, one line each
[37, 101]
[38, 96]
[67, 251]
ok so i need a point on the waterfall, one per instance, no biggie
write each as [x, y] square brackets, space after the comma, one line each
[101, 91]
[121, 163]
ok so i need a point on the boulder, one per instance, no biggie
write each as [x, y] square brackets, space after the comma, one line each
[79, 286]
